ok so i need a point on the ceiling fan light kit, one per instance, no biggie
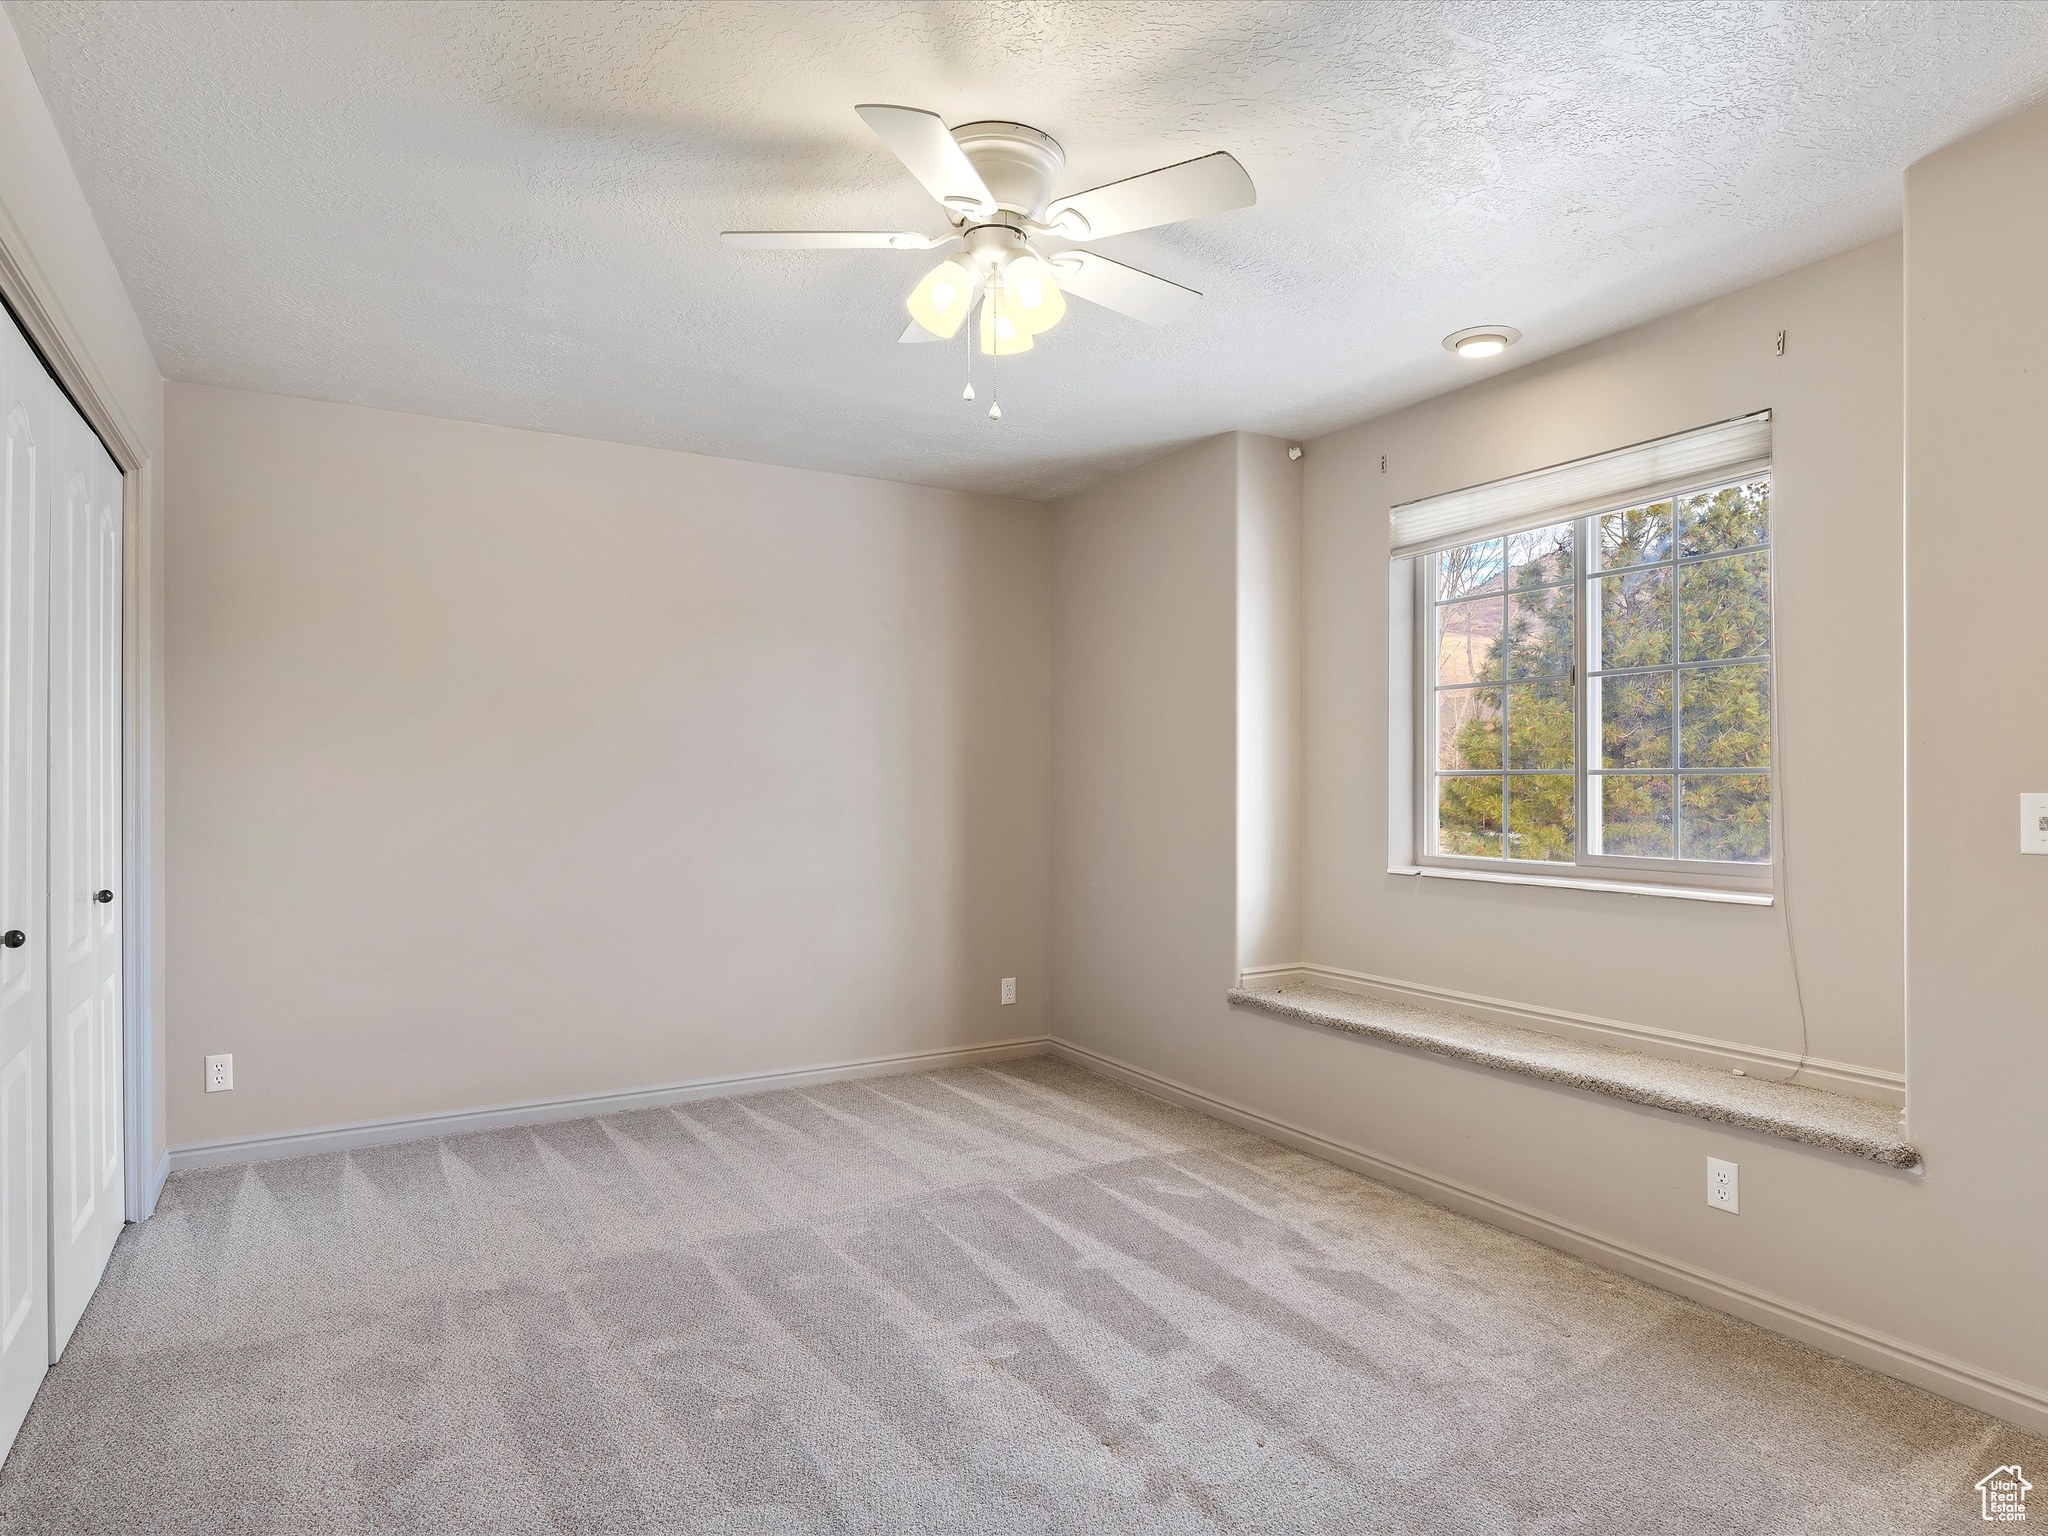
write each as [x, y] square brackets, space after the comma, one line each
[1018, 257]
[1030, 294]
[1001, 336]
[943, 296]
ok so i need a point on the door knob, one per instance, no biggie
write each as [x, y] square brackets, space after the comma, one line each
[13, 938]
[103, 896]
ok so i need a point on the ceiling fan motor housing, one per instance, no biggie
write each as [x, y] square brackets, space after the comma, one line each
[1017, 163]
[997, 243]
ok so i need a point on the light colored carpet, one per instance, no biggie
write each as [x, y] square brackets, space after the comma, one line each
[1006, 1299]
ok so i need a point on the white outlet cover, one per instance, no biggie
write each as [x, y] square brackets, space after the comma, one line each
[1009, 990]
[1721, 1185]
[2034, 823]
[220, 1074]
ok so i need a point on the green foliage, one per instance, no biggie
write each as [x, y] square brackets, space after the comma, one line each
[1724, 612]
[1537, 644]
[1713, 606]
[1469, 816]
[1725, 816]
[1635, 815]
[1734, 517]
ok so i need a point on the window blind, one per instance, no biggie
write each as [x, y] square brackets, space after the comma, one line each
[1525, 501]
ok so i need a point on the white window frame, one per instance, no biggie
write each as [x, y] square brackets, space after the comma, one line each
[1588, 868]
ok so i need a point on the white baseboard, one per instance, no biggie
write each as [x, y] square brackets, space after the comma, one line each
[1675, 1045]
[373, 1133]
[153, 1190]
[2007, 1399]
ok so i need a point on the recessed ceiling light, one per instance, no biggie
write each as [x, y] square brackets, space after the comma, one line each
[1482, 340]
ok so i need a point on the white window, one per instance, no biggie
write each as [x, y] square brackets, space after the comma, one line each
[1593, 694]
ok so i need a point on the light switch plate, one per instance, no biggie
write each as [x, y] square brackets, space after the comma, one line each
[2034, 823]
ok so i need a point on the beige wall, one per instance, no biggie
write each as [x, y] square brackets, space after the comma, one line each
[1145, 750]
[1269, 724]
[1176, 654]
[1721, 972]
[53, 242]
[1977, 721]
[512, 766]
[1933, 1276]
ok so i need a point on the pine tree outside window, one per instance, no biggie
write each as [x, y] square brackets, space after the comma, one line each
[1595, 693]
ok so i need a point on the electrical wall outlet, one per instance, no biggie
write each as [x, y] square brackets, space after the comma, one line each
[1721, 1184]
[1009, 990]
[220, 1074]
[2034, 823]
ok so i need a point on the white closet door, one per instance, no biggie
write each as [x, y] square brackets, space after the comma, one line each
[86, 1181]
[27, 402]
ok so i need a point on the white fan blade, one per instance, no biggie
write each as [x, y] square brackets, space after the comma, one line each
[928, 150]
[1213, 184]
[1124, 289]
[829, 240]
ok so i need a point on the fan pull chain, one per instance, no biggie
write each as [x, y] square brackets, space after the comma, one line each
[968, 392]
[995, 394]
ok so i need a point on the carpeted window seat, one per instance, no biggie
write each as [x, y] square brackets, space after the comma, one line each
[1811, 1115]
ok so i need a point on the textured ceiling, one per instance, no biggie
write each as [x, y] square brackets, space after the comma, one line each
[509, 212]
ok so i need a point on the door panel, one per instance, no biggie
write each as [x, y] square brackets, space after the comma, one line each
[113, 1145]
[85, 860]
[27, 406]
[20, 1275]
[73, 1142]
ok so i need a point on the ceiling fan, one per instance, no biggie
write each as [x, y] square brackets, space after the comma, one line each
[1015, 247]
